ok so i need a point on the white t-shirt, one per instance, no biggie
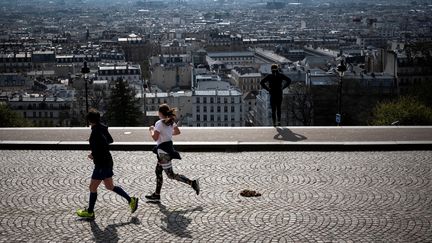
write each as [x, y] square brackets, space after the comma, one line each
[165, 132]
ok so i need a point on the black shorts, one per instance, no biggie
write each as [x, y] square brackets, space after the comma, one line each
[102, 173]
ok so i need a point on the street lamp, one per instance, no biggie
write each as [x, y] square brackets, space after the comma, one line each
[85, 70]
[341, 68]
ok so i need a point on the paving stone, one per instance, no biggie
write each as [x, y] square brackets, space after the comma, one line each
[306, 197]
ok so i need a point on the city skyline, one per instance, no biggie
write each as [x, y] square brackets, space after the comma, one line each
[208, 58]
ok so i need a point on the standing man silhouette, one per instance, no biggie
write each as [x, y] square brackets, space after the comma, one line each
[274, 84]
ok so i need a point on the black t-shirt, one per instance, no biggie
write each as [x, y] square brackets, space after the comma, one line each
[274, 83]
[99, 140]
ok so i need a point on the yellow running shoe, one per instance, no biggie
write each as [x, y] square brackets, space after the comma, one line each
[83, 213]
[133, 204]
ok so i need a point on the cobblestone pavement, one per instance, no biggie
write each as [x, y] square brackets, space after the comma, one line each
[306, 197]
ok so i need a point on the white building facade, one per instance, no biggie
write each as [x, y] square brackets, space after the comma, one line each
[44, 111]
[126, 71]
[217, 108]
[181, 100]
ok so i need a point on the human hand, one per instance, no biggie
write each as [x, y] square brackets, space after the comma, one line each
[90, 156]
[151, 128]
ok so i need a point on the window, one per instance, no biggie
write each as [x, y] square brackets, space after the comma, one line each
[211, 109]
[205, 100]
[205, 118]
[198, 109]
[232, 99]
[225, 100]
[211, 100]
[225, 117]
[232, 108]
[218, 109]
[225, 108]
[197, 99]
[211, 117]
[198, 117]
[205, 108]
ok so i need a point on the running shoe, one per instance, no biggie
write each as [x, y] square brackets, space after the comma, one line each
[84, 213]
[133, 204]
[195, 186]
[153, 197]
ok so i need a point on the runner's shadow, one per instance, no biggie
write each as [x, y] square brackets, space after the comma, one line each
[174, 222]
[109, 234]
[287, 135]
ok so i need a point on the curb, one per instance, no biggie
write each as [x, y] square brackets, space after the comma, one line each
[227, 146]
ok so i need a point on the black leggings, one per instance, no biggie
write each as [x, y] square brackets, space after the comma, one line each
[164, 164]
[276, 103]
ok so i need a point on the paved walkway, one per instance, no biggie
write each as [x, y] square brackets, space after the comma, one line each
[231, 138]
[306, 197]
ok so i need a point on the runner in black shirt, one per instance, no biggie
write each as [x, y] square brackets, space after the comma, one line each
[99, 140]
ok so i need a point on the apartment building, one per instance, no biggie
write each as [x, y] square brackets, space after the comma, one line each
[125, 71]
[44, 111]
[170, 72]
[14, 82]
[232, 58]
[246, 78]
[181, 100]
[15, 62]
[217, 108]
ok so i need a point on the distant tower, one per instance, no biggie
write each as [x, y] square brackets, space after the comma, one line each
[87, 33]
[302, 25]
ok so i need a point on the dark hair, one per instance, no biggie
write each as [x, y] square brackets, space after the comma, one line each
[169, 113]
[93, 116]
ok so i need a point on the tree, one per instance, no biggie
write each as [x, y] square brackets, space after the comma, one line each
[302, 104]
[9, 118]
[422, 92]
[123, 107]
[405, 111]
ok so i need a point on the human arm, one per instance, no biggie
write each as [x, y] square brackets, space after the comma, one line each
[287, 81]
[154, 133]
[263, 83]
[176, 130]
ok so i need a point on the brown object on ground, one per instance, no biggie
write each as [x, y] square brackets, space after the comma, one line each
[249, 193]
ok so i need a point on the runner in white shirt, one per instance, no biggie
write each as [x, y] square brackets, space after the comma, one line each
[162, 133]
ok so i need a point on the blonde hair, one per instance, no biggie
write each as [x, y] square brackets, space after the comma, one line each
[169, 113]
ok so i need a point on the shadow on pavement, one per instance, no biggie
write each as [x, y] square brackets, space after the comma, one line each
[287, 135]
[175, 221]
[109, 234]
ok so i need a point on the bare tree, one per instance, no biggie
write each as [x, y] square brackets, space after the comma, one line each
[301, 104]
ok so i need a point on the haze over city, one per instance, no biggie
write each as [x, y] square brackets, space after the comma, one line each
[207, 58]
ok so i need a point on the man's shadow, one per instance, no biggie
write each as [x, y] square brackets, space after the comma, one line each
[174, 222]
[109, 234]
[287, 135]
